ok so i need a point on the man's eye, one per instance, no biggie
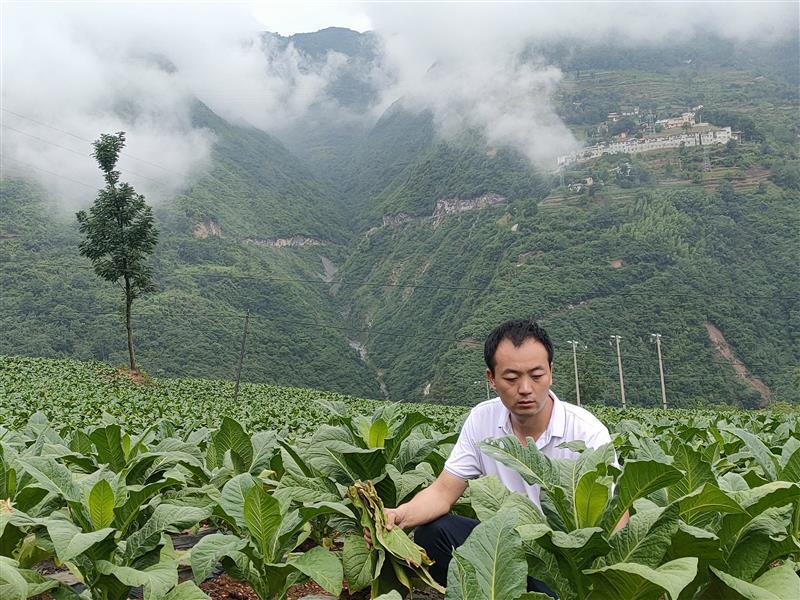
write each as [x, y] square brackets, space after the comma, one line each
[509, 379]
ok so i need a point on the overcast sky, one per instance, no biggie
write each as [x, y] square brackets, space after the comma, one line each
[85, 68]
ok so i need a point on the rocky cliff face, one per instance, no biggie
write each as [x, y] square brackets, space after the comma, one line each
[207, 228]
[296, 241]
[445, 207]
[455, 205]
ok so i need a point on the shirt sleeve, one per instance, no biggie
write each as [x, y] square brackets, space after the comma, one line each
[464, 461]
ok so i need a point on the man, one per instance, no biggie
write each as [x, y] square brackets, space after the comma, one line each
[519, 363]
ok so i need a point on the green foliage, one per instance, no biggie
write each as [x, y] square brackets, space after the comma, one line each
[417, 297]
[120, 232]
[713, 498]
[394, 561]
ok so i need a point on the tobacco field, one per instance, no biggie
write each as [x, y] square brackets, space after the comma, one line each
[100, 476]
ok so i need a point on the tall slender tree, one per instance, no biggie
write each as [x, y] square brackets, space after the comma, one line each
[120, 232]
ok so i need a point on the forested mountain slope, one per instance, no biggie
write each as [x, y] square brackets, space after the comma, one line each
[436, 240]
[220, 253]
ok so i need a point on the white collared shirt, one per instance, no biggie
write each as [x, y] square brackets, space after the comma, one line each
[490, 419]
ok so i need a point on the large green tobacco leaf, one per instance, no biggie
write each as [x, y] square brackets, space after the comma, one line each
[296, 487]
[322, 566]
[528, 461]
[359, 563]
[137, 495]
[187, 590]
[415, 449]
[406, 483]
[374, 433]
[69, 541]
[233, 494]
[8, 477]
[590, 498]
[108, 442]
[491, 564]
[561, 557]
[165, 517]
[698, 507]
[210, 549]
[53, 476]
[577, 490]
[156, 580]
[694, 541]
[265, 444]
[790, 460]
[12, 584]
[776, 493]
[766, 459]
[780, 583]
[488, 496]
[230, 437]
[262, 516]
[696, 471]
[747, 547]
[400, 430]
[462, 580]
[639, 478]
[645, 539]
[101, 504]
[358, 463]
[633, 581]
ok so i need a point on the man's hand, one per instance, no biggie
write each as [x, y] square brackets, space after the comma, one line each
[428, 505]
[394, 517]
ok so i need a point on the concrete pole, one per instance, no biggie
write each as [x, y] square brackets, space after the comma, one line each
[241, 357]
[616, 338]
[574, 344]
[657, 338]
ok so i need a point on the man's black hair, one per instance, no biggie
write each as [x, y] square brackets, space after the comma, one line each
[517, 331]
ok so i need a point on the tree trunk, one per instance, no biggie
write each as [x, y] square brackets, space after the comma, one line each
[128, 302]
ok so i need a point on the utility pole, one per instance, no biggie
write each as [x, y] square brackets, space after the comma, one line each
[241, 356]
[574, 344]
[616, 339]
[656, 337]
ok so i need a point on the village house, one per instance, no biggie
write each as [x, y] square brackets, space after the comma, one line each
[707, 136]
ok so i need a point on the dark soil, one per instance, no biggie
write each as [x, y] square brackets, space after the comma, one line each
[225, 588]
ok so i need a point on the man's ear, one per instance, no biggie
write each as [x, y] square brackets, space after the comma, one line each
[490, 377]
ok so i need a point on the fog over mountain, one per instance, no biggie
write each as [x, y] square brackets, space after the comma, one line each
[138, 68]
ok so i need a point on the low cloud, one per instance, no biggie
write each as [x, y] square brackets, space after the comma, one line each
[462, 61]
[74, 71]
[91, 68]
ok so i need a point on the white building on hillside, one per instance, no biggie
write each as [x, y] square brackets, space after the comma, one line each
[646, 144]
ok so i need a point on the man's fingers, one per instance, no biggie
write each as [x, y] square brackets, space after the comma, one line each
[390, 519]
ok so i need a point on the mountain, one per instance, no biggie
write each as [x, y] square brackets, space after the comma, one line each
[375, 256]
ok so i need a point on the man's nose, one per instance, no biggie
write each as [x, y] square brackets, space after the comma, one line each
[525, 386]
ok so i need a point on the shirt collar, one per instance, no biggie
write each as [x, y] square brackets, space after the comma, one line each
[556, 428]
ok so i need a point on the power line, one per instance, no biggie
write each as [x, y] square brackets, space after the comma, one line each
[22, 162]
[479, 289]
[76, 152]
[631, 360]
[123, 153]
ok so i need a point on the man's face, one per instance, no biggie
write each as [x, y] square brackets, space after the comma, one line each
[522, 376]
